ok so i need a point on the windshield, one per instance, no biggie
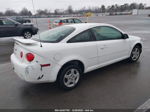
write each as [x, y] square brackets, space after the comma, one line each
[55, 35]
[13, 21]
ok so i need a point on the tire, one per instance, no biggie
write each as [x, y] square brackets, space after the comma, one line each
[27, 34]
[69, 77]
[135, 54]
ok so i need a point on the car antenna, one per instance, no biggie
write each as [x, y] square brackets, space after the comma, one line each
[36, 22]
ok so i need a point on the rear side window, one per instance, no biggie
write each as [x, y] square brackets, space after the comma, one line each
[106, 33]
[8, 22]
[85, 36]
[55, 35]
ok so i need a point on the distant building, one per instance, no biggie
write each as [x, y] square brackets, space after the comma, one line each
[141, 12]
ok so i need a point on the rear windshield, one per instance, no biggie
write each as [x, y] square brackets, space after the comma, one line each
[55, 35]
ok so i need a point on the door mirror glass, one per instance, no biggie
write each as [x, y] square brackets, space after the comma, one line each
[125, 36]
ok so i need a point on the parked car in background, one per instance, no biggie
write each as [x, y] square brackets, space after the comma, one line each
[65, 21]
[9, 27]
[21, 19]
[69, 51]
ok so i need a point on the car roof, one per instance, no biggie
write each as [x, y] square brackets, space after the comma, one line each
[66, 18]
[84, 26]
[80, 27]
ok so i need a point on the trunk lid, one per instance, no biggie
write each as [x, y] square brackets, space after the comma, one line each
[22, 47]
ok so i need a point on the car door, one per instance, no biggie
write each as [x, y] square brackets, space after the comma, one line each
[9, 28]
[111, 45]
[84, 45]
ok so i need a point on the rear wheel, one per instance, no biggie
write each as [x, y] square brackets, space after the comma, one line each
[135, 54]
[69, 77]
[27, 34]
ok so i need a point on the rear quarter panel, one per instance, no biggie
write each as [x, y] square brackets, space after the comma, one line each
[62, 53]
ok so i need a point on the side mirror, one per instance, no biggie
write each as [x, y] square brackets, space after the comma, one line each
[125, 36]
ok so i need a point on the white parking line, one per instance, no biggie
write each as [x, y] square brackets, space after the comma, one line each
[144, 107]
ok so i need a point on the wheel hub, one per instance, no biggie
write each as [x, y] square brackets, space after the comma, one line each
[71, 77]
[135, 54]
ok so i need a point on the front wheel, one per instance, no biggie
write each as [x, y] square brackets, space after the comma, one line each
[27, 34]
[69, 77]
[135, 54]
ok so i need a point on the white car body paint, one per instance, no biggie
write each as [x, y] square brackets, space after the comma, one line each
[93, 55]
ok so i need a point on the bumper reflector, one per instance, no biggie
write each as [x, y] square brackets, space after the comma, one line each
[45, 65]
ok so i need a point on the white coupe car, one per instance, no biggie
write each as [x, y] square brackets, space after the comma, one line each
[64, 53]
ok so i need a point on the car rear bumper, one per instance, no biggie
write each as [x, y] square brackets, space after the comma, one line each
[35, 31]
[32, 72]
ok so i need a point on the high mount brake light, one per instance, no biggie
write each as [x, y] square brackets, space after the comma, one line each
[30, 57]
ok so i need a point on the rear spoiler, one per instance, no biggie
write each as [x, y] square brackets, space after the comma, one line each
[25, 41]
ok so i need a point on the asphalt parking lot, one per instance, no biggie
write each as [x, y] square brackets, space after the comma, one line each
[119, 86]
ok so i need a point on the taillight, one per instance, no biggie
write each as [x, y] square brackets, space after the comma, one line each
[60, 23]
[21, 54]
[29, 57]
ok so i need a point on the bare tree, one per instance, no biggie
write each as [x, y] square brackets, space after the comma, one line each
[133, 6]
[43, 12]
[141, 6]
[70, 9]
[25, 12]
[103, 9]
[56, 11]
[10, 12]
[1, 14]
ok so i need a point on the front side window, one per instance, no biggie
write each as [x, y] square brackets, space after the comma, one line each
[55, 35]
[77, 21]
[106, 33]
[85, 36]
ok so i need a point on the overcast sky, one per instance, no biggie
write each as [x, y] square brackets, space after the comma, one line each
[61, 4]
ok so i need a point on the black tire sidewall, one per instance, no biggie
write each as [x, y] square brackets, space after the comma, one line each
[25, 32]
[62, 73]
